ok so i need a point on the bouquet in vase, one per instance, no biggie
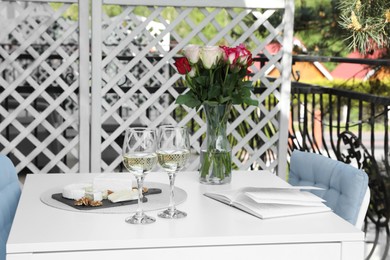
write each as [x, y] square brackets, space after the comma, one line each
[217, 78]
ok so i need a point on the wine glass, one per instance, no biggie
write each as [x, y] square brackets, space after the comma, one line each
[173, 151]
[139, 157]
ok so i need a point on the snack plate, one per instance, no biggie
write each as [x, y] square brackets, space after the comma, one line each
[154, 201]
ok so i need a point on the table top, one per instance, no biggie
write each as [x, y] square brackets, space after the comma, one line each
[38, 227]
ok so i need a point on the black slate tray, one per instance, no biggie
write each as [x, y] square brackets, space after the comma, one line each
[106, 203]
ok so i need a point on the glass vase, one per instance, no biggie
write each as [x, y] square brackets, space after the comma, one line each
[216, 152]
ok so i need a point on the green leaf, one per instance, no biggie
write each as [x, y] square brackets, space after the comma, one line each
[245, 92]
[204, 93]
[188, 99]
[214, 92]
[201, 80]
[236, 99]
[213, 103]
[231, 83]
[225, 99]
[251, 102]
[247, 84]
[242, 73]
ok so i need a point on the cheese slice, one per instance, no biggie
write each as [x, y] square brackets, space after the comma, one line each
[113, 182]
[94, 195]
[123, 195]
[75, 191]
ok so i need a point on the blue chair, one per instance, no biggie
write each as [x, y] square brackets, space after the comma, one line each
[9, 198]
[345, 188]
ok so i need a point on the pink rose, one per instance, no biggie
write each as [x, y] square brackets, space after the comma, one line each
[238, 56]
[245, 56]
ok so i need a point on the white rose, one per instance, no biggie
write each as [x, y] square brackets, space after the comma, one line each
[191, 52]
[192, 73]
[210, 55]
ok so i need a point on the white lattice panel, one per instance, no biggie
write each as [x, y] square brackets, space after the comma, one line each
[138, 75]
[40, 87]
[47, 105]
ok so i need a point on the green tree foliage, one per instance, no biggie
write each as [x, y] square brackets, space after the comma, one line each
[170, 14]
[72, 13]
[327, 28]
[367, 23]
[316, 24]
[336, 27]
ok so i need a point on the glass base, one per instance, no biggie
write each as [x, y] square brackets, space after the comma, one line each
[215, 181]
[172, 214]
[140, 220]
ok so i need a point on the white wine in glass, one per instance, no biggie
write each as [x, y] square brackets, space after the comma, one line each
[139, 157]
[173, 151]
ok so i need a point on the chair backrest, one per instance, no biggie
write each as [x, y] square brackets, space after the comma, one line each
[363, 209]
[344, 186]
[9, 198]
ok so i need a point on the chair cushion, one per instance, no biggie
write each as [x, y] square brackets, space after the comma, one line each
[344, 185]
[9, 198]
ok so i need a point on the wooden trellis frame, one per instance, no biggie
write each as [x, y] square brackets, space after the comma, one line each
[102, 83]
[28, 42]
[125, 84]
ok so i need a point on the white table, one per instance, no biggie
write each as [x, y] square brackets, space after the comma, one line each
[212, 230]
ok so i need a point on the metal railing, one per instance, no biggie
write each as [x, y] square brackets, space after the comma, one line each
[351, 127]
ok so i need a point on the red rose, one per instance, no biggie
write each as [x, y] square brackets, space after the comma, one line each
[182, 65]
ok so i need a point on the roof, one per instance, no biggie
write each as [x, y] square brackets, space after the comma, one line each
[274, 47]
[357, 71]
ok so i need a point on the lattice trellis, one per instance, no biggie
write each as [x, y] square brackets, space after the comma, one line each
[143, 66]
[60, 112]
[40, 83]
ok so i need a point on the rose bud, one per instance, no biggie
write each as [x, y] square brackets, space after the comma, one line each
[182, 65]
[210, 56]
[191, 52]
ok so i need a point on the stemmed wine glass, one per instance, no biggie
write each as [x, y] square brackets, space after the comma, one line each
[139, 157]
[173, 151]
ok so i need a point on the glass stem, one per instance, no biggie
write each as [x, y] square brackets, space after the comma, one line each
[172, 176]
[140, 184]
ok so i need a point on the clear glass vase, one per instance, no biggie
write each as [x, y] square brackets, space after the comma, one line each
[216, 152]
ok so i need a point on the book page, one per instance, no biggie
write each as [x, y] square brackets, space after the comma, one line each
[303, 188]
[285, 196]
[265, 210]
[271, 202]
[226, 196]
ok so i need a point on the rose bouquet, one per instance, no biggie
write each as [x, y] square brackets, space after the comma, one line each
[215, 74]
[217, 78]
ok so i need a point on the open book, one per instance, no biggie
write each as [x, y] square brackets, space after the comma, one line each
[272, 202]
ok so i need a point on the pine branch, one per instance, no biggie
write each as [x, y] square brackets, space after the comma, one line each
[367, 22]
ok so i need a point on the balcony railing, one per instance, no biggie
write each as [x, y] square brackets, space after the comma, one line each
[351, 127]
